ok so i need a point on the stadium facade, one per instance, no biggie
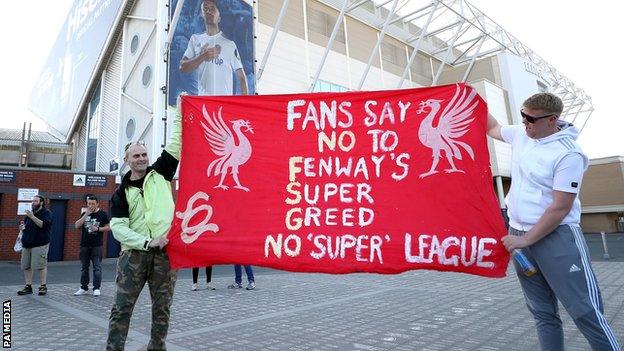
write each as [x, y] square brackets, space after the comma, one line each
[113, 74]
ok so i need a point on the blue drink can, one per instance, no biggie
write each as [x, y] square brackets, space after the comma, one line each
[526, 266]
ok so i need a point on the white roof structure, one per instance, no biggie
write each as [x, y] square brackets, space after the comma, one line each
[454, 32]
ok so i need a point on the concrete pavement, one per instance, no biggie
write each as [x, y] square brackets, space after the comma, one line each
[418, 310]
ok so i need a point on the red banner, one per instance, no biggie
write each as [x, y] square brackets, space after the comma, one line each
[383, 181]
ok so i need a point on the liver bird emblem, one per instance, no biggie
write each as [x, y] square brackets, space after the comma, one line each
[222, 141]
[453, 122]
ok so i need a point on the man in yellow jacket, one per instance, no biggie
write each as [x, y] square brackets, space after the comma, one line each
[141, 213]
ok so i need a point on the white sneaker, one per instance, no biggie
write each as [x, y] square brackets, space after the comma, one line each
[96, 292]
[80, 291]
[209, 286]
[194, 287]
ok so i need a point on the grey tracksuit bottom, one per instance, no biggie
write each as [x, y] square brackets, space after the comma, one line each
[564, 274]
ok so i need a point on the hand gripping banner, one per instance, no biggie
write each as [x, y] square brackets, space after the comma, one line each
[384, 181]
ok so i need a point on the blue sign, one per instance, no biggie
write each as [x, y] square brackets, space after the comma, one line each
[7, 177]
[63, 82]
[93, 180]
[218, 37]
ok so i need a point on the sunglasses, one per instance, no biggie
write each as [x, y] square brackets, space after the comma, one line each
[140, 142]
[532, 119]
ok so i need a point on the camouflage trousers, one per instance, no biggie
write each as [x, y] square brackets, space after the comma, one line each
[134, 268]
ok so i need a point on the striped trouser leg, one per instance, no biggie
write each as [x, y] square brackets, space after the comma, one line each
[592, 324]
[563, 261]
[541, 302]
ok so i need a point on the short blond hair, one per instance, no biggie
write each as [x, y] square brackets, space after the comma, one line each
[547, 102]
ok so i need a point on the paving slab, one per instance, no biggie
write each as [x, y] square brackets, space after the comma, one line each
[417, 310]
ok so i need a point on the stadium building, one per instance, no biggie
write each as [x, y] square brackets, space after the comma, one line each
[114, 61]
[117, 66]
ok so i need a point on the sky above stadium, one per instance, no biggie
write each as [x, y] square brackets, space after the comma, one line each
[571, 36]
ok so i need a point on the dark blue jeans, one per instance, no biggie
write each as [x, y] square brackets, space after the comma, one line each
[238, 272]
[88, 255]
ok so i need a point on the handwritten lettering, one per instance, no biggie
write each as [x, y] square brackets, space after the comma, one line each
[451, 251]
[191, 233]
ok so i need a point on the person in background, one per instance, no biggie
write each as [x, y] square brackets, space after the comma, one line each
[35, 244]
[209, 285]
[238, 278]
[93, 223]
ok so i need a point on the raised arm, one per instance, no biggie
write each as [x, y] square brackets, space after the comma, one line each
[82, 219]
[493, 128]
[167, 162]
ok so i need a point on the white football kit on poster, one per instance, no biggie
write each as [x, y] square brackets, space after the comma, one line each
[214, 77]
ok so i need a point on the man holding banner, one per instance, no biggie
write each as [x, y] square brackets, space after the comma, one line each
[544, 216]
[142, 210]
[339, 183]
[214, 57]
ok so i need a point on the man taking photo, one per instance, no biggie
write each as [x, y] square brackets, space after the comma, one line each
[93, 223]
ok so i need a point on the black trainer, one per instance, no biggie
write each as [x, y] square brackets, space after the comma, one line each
[43, 290]
[26, 290]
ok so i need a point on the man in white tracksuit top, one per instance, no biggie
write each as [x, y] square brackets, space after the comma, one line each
[544, 211]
